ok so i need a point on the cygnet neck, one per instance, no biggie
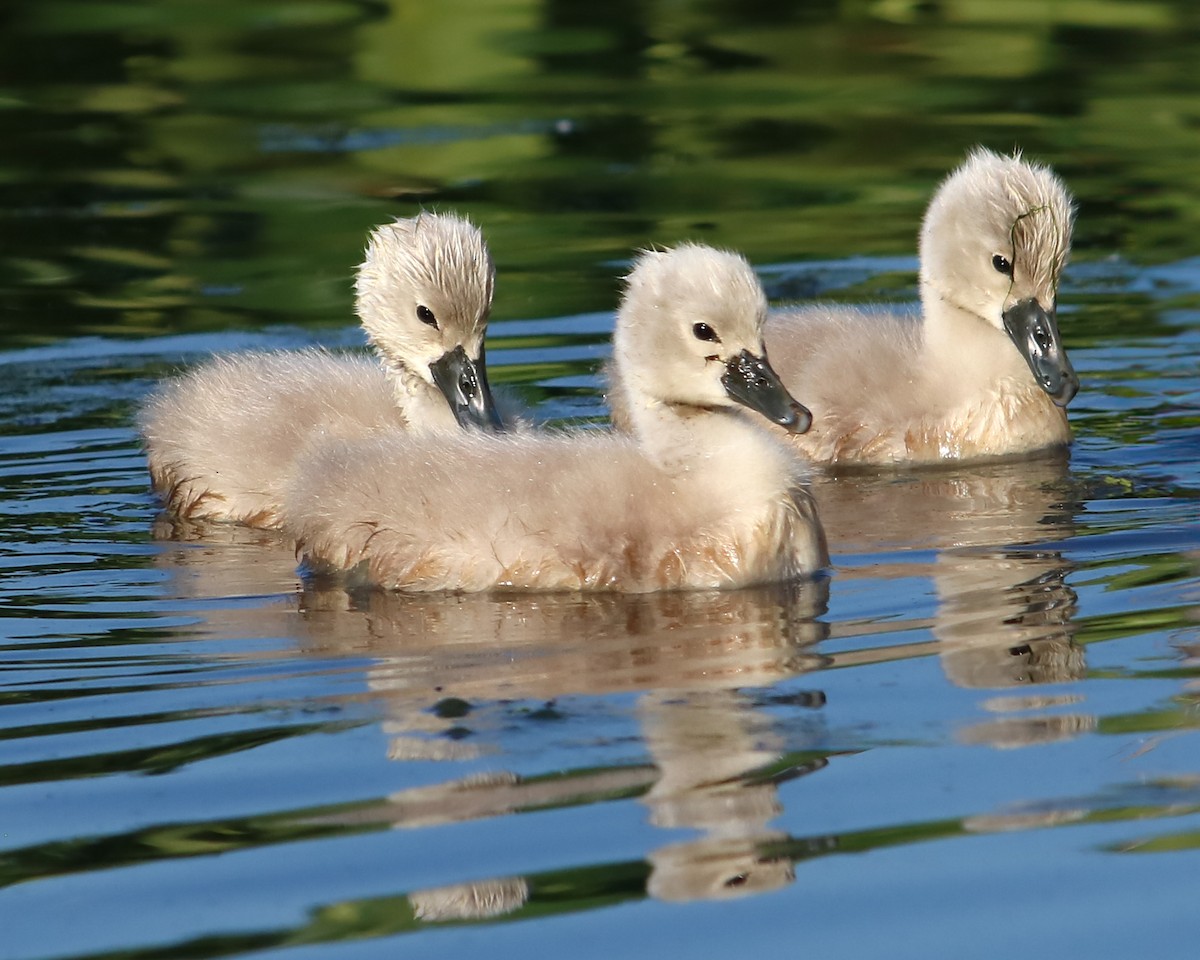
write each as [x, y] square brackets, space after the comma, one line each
[423, 406]
[959, 342]
[677, 436]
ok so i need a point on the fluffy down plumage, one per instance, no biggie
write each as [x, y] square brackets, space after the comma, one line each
[222, 439]
[980, 370]
[696, 496]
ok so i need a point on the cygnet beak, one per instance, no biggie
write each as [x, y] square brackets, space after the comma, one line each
[1035, 332]
[464, 384]
[751, 382]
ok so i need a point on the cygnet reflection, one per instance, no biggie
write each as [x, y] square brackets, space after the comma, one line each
[991, 504]
[984, 536]
[716, 758]
[488, 648]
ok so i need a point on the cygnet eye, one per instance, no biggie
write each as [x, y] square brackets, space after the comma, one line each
[425, 315]
[703, 331]
[1002, 265]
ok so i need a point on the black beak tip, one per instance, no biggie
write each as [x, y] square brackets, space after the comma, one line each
[1065, 393]
[797, 419]
[1060, 385]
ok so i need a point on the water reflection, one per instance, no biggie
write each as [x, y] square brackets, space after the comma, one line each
[441, 667]
[711, 749]
[688, 652]
[445, 671]
[184, 168]
[687, 656]
[985, 537]
[1006, 619]
[469, 901]
[975, 505]
[456, 679]
[462, 680]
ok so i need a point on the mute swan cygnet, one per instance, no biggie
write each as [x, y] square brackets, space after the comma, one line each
[982, 372]
[695, 496]
[222, 439]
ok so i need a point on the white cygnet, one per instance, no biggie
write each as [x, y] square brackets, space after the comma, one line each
[694, 496]
[981, 372]
[223, 439]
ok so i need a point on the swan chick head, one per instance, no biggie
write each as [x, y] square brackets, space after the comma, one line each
[423, 294]
[994, 242]
[689, 333]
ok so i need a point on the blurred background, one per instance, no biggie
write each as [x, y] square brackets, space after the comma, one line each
[184, 165]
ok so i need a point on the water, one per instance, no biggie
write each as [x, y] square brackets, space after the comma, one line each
[976, 738]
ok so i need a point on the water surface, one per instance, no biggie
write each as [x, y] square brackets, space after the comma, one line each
[975, 737]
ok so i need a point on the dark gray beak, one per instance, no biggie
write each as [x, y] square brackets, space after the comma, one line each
[751, 382]
[1035, 332]
[464, 384]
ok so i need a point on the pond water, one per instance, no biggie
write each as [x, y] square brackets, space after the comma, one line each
[977, 737]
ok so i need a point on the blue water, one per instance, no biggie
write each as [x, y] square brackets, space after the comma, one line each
[989, 704]
[976, 737]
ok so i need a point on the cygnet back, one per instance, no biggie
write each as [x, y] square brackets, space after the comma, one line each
[980, 371]
[222, 440]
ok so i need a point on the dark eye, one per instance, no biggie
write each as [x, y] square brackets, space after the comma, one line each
[704, 332]
[1002, 265]
[425, 315]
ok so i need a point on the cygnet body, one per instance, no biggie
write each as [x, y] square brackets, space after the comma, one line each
[981, 372]
[223, 439]
[694, 496]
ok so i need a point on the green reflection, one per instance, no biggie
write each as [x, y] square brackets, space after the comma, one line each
[148, 760]
[205, 165]
[598, 886]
